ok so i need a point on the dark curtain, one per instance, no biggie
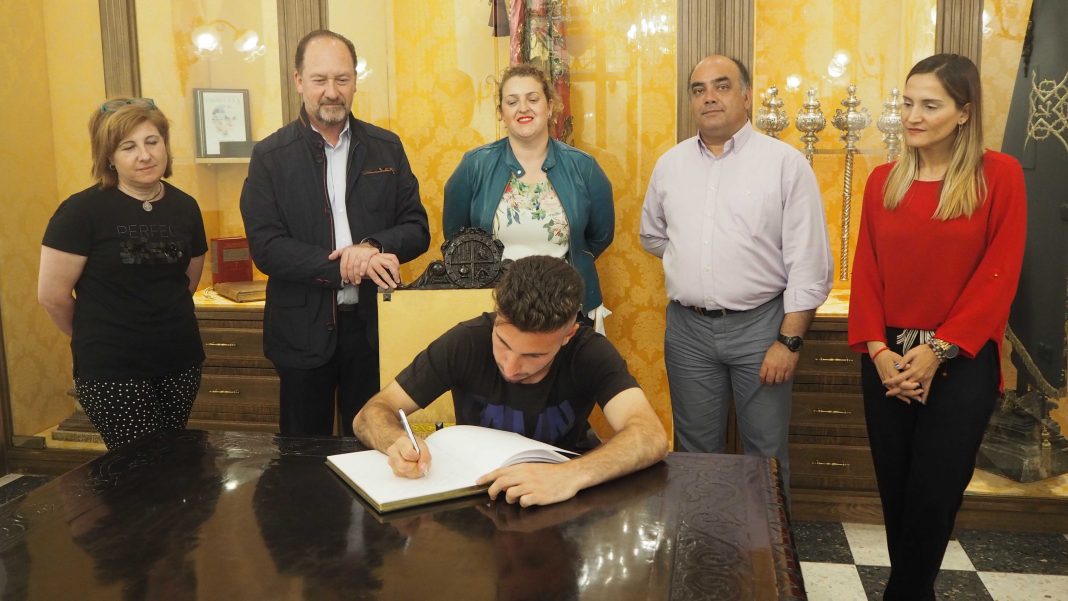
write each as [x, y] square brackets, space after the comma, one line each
[1036, 133]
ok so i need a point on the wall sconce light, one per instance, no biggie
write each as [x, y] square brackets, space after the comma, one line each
[362, 71]
[836, 68]
[207, 40]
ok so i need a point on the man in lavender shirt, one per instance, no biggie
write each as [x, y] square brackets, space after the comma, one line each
[737, 219]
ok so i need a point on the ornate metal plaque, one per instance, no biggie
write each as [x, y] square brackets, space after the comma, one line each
[471, 259]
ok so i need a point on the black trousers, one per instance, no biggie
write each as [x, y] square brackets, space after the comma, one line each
[924, 457]
[349, 378]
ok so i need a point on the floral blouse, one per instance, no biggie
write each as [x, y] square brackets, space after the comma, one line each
[530, 221]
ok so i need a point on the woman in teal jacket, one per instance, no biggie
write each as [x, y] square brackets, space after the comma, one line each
[535, 194]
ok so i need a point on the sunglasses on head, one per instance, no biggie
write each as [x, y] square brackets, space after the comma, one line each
[113, 105]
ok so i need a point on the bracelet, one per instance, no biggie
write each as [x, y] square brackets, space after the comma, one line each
[876, 353]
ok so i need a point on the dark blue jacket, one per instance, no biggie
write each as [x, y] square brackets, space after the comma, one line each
[474, 191]
[290, 231]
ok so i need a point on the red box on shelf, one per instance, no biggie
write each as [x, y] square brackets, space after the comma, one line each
[230, 260]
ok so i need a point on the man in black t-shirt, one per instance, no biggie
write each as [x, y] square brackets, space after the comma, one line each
[527, 368]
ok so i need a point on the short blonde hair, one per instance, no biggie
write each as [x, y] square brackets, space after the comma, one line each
[111, 123]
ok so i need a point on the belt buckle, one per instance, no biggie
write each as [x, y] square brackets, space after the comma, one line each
[713, 313]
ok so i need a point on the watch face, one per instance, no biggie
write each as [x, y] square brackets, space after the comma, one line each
[951, 351]
[792, 342]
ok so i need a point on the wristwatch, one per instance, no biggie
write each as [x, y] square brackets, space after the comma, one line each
[372, 242]
[943, 350]
[794, 343]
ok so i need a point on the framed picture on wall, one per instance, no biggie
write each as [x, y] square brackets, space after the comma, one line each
[222, 123]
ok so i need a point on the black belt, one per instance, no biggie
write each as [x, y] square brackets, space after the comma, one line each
[710, 313]
[347, 308]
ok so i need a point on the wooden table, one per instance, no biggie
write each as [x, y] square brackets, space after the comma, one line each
[224, 515]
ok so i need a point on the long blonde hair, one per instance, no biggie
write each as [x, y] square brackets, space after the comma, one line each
[964, 187]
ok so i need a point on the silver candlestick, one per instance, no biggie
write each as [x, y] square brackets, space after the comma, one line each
[852, 122]
[811, 121]
[890, 124]
[771, 118]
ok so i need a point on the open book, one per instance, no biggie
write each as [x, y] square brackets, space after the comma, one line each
[459, 456]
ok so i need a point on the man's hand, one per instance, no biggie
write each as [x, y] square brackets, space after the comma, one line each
[354, 261]
[532, 483]
[405, 462]
[779, 364]
[384, 270]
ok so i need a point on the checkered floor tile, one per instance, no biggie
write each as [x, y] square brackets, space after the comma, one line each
[845, 561]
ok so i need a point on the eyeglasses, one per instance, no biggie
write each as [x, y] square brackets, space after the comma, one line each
[113, 105]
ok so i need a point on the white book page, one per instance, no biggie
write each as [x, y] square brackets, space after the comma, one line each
[484, 450]
[459, 456]
[371, 471]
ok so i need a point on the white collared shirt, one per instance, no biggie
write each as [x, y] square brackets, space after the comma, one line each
[737, 230]
[337, 160]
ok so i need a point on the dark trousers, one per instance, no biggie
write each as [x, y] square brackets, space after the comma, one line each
[924, 456]
[350, 377]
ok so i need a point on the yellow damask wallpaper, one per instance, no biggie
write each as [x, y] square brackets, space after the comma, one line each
[829, 44]
[434, 87]
[1004, 28]
[56, 62]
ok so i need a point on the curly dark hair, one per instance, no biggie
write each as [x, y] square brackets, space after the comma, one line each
[539, 294]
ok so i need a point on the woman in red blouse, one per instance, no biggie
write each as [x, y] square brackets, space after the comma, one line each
[936, 268]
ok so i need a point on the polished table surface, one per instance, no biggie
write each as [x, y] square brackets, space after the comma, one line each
[223, 515]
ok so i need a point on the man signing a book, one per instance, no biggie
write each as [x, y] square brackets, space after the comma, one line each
[528, 368]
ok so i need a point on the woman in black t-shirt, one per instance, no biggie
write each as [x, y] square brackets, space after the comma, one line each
[119, 263]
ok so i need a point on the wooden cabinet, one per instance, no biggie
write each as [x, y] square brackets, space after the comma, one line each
[828, 439]
[239, 390]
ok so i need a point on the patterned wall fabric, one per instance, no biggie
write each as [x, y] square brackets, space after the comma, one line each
[539, 36]
[45, 148]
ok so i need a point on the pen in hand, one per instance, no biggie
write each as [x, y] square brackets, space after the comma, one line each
[411, 437]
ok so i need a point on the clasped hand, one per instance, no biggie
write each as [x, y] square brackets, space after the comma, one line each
[363, 260]
[909, 376]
